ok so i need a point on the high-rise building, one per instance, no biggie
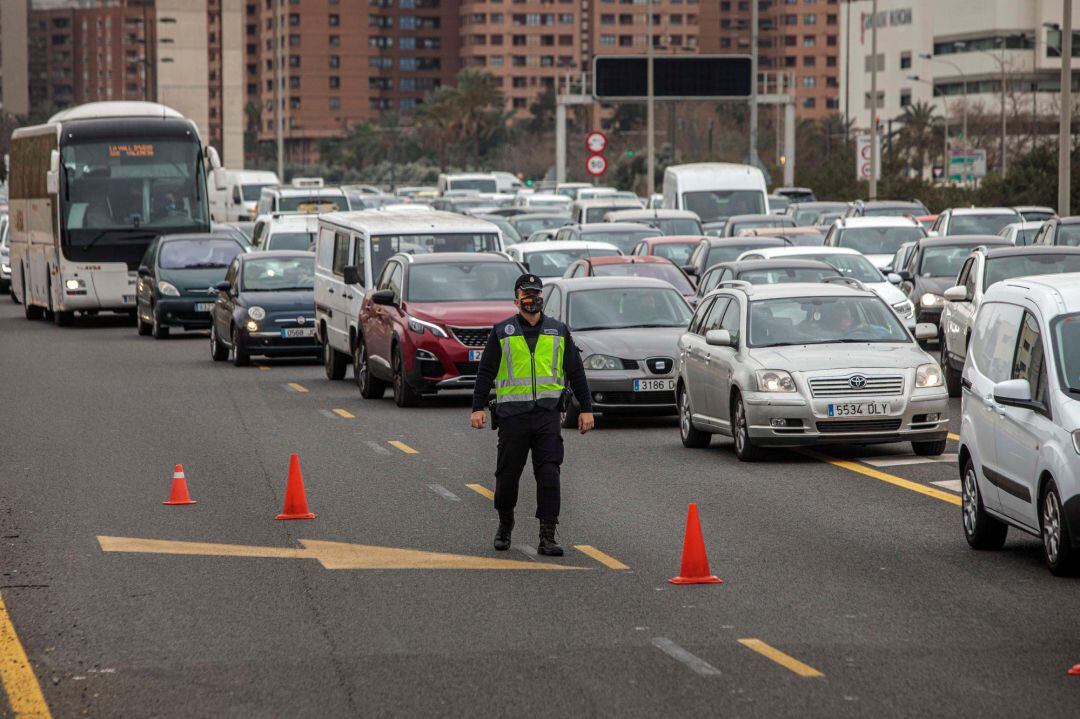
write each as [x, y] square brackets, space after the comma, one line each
[14, 57]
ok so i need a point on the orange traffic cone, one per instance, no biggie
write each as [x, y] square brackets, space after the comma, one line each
[1074, 671]
[178, 494]
[295, 499]
[695, 565]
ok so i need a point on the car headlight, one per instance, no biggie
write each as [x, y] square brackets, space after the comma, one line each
[928, 375]
[5, 267]
[75, 284]
[774, 380]
[256, 312]
[418, 326]
[602, 362]
[929, 299]
[1076, 440]
[251, 326]
[905, 309]
[167, 288]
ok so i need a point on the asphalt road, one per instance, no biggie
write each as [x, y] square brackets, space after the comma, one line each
[865, 587]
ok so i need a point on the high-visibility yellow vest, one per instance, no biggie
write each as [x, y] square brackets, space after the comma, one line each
[529, 378]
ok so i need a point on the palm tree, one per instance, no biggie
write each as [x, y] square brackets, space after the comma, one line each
[437, 122]
[916, 137]
[476, 96]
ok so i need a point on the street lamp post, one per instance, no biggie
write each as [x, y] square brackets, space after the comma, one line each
[1065, 128]
[650, 105]
[1001, 65]
[945, 116]
[874, 158]
[963, 116]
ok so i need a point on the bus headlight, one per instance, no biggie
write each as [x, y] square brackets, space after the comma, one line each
[167, 288]
[75, 284]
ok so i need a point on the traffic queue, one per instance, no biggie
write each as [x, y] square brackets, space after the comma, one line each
[801, 325]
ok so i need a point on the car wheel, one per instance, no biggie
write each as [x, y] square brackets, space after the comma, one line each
[952, 376]
[157, 329]
[691, 436]
[370, 386]
[404, 395]
[240, 357]
[1061, 558]
[219, 352]
[333, 361]
[569, 418]
[929, 449]
[980, 529]
[143, 328]
[745, 449]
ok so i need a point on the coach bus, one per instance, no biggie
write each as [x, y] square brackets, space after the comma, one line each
[89, 190]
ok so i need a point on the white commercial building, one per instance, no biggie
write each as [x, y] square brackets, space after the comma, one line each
[927, 49]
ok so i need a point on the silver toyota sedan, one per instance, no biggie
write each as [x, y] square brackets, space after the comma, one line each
[806, 364]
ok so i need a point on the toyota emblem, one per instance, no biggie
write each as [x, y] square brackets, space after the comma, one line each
[857, 381]
[301, 320]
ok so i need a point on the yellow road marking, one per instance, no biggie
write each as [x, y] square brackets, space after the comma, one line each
[21, 685]
[784, 660]
[482, 491]
[298, 387]
[331, 555]
[402, 446]
[954, 437]
[262, 366]
[344, 413]
[885, 477]
[608, 561]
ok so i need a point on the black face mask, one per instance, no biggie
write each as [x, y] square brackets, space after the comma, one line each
[532, 303]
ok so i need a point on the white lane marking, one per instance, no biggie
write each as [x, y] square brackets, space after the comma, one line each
[377, 448]
[525, 549]
[327, 413]
[904, 460]
[444, 492]
[693, 663]
[953, 485]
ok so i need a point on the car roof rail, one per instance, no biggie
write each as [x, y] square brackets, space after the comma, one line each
[743, 285]
[841, 280]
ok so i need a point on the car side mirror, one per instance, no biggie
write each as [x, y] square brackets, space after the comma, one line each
[905, 276]
[690, 270]
[144, 271]
[719, 338]
[894, 278]
[223, 286]
[384, 297]
[926, 331]
[351, 274]
[957, 294]
[1015, 393]
[933, 233]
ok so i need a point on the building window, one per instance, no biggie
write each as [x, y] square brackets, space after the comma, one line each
[294, 82]
[335, 20]
[905, 98]
[809, 19]
[808, 103]
[809, 41]
[335, 82]
[905, 60]
[809, 82]
[808, 61]
[335, 61]
[335, 41]
[335, 103]
[294, 61]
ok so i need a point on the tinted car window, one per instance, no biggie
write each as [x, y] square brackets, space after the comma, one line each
[678, 226]
[979, 224]
[778, 276]
[383, 247]
[823, 320]
[462, 282]
[266, 274]
[1068, 235]
[197, 254]
[996, 329]
[1029, 362]
[527, 227]
[626, 307]
[878, 240]
[659, 270]
[553, 263]
[1067, 350]
[302, 241]
[942, 261]
[677, 252]
[711, 205]
[854, 266]
[624, 240]
[1007, 268]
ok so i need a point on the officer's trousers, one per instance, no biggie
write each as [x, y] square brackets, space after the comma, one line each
[536, 431]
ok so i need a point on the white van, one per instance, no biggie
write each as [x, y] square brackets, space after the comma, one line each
[234, 194]
[716, 190]
[476, 181]
[350, 252]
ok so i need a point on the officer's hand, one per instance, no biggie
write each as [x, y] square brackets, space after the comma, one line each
[585, 422]
[477, 419]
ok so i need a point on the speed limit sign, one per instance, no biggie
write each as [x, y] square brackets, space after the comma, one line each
[596, 165]
[596, 142]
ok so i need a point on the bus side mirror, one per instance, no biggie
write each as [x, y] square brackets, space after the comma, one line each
[213, 158]
[52, 177]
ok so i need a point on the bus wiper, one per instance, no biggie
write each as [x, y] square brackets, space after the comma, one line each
[108, 230]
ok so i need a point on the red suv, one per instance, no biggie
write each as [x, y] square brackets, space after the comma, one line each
[424, 325]
[660, 268]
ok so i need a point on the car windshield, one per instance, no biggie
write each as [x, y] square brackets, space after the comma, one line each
[659, 270]
[302, 241]
[311, 203]
[1068, 235]
[1067, 348]
[1024, 237]
[1036, 215]
[553, 263]
[893, 211]
[878, 240]
[677, 252]
[783, 275]
[251, 192]
[479, 184]
[531, 225]
[625, 240]
[737, 227]
[943, 261]
[1007, 268]
[385, 246]
[622, 307]
[979, 224]
[807, 217]
[269, 274]
[596, 214]
[462, 282]
[712, 205]
[510, 233]
[823, 320]
[854, 266]
[198, 254]
[677, 226]
[731, 252]
[778, 203]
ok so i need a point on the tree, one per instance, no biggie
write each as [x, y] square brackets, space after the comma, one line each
[917, 135]
[478, 102]
[543, 112]
[437, 123]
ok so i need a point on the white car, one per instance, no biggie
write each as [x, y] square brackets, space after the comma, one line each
[550, 259]
[849, 263]
[878, 238]
[285, 232]
[1021, 234]
[543, 201]
[1019, 449]
[973, 221]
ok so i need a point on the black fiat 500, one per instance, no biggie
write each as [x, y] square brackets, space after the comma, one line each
[266, 306]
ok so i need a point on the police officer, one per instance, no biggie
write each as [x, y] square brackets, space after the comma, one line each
[529, 359]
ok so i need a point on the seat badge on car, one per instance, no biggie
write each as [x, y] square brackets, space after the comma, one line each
[301, 320]
[857, 381]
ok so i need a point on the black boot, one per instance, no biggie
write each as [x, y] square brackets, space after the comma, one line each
[548, 546]
[502, 534]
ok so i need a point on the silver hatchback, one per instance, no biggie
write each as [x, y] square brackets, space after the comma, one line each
[806, 364]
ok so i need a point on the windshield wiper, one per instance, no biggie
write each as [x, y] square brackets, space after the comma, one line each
[597, 327]
[108, 230]
[653, 325]
[204, 266]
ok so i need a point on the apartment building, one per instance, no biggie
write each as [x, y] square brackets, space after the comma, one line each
[14, 56]
[798, 37]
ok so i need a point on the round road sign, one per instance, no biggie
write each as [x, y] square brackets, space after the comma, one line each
[596, 165]
[596, 142]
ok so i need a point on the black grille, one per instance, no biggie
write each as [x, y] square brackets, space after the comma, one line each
[471, 336]
[859, 425]
[629, 364]
[660, 365]
[660, 397]
[466, 367]
[430, 368]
